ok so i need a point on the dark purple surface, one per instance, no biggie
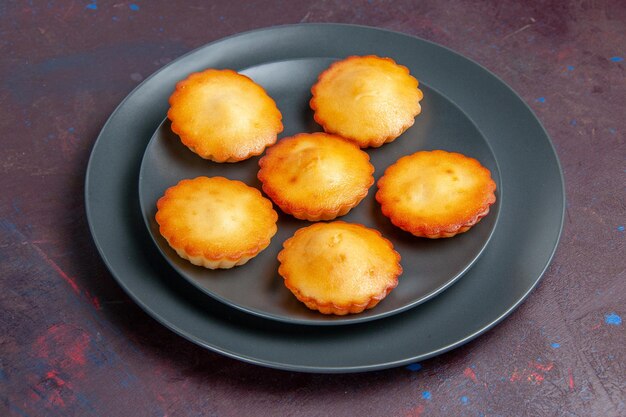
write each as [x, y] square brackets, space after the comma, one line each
[72, 343]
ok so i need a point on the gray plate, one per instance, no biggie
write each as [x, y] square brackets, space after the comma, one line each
[529, 225]
[430, 266]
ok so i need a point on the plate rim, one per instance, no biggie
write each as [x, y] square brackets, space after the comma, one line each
[325, 369]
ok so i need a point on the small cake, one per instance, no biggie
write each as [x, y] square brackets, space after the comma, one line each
[436, 194]
[339, 268]
[216, 222]
[315, 176]
[224, 116]
[367, 99]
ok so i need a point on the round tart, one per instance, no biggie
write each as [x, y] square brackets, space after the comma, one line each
[436, 194]
[216, 222]
[339, 268]
[315, 176]
[224, 116]
[367, 99]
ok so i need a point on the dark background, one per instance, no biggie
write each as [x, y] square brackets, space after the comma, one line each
[72, 343]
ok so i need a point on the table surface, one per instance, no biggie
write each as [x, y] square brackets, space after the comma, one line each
[72, 342]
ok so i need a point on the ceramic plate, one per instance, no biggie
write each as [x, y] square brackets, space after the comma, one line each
[429, 266]
[531, 209]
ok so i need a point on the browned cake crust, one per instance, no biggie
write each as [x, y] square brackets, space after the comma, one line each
[224, 116]
[315, 176]
[339, 268]
[367, 99]
[436, 194]
[216, 222]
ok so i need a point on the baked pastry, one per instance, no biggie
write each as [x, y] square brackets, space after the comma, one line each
[216, 222]
[224, 116]
[367, 99]
[436, 194]
[339, 268]
[315, 176]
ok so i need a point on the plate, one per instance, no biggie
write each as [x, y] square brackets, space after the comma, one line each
[531, 215]
[429, 266]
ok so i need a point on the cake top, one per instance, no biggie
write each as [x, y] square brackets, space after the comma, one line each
[433, 191]
[216, 218]
[367, 99]
[224, 116]
[315, 173]
[339, 263]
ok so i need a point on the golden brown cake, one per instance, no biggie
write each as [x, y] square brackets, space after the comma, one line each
[367, 99]
[436, 194]
[339, 268]
[224, 116]
[315, 176]
[216, 222]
